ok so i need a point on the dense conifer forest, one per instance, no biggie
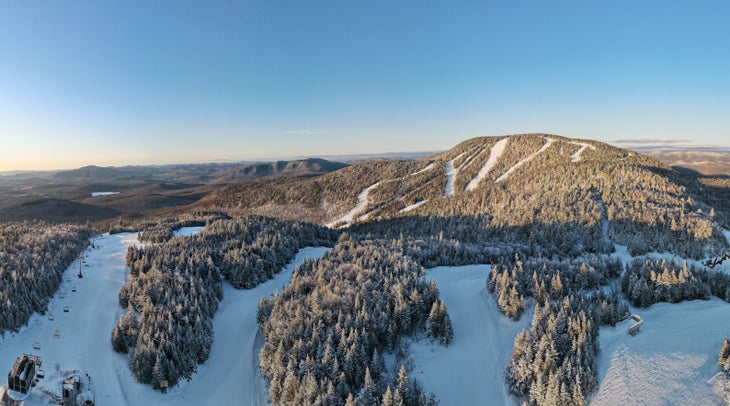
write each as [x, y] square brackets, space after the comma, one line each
[174, 288]
[33, 256]
[546, 228]
[554, 362]
[326, 332]
[552, 203]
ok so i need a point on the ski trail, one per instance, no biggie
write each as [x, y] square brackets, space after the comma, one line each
[604, 222]
[494, 154]
[412, 207]
[361, 205]
[468, 161]
[548, 142]
[576, 157]
[482, 344]
[427, 168]
[451, 172]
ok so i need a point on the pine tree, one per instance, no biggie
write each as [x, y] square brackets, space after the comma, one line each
[387, 398]
[351, 400]
[403, 386]
[724, 352]
[446, 328]
[369, 391]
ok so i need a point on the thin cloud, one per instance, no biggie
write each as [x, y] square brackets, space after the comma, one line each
[302, 132]
[650, 141]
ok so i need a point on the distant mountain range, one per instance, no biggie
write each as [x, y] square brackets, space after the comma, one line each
[698, 162]
[506, 181]
[68, 195]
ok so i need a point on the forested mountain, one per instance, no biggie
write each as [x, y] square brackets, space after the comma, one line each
[520, 189]
[33, 256]
[544, 210]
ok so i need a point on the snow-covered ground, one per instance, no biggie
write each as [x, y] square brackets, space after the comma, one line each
[471, 157]
[451, 172]
[362, 203]
[469, 371]
[672, 361]
[494, 154]
[576, 157]
[427, 168]
[412, 206]
[85, 330]
[95, 194]
[186, 231]
[229, 377]
[548, 143]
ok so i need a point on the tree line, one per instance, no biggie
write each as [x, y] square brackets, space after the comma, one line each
[33, 257]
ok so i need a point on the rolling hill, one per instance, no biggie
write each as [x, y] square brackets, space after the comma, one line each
[503, 187]
[94, 193]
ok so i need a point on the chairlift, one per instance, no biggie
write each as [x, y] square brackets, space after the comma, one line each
[73, 288]
[51, 316]
[66, 309]
[36, 344]
[56, 333]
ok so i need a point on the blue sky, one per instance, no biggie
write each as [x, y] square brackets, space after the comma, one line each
[136, 82]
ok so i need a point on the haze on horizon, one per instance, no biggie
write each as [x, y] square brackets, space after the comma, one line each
[125, 83]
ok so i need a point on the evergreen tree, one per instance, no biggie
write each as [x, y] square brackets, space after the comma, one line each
[724, 352]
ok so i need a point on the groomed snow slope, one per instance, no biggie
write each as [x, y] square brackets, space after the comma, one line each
[672, 361]
[576, 157]
[412, 206]
[85, 331]
[427, 168]
[494, 154]
[548, 143]
[451, 172]
[362, 203]
[469, 371]
[229, 377]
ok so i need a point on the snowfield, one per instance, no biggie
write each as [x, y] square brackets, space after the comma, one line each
[229, 377]
[95, 194]
[494, 154]
[672, 361]
[469, 371]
